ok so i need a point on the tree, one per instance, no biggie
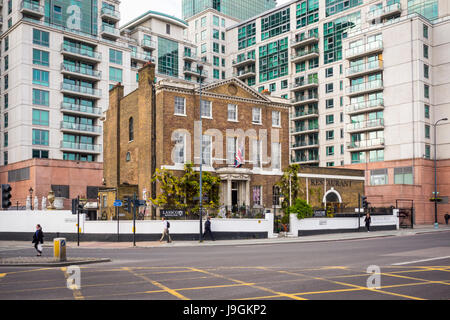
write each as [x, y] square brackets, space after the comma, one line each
[179, 192]
[302, 209]
[292, 188]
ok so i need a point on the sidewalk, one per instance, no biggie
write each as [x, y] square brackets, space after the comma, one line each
[421, 229]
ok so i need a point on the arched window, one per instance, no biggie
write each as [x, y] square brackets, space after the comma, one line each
[128, 158]
[131, 129]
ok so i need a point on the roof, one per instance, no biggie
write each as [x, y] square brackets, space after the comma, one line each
[160, 15]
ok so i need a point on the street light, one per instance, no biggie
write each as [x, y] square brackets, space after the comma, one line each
[31, 197]
[200, 69]
[436, 225]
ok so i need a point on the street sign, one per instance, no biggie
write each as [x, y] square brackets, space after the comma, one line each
[173, 213]
[320, 213]
[117, 203]
[140, 203]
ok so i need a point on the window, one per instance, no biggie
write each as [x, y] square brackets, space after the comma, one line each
[6, 43]
[6, 101]
[427, 131]
[276, 155]
[115, 74]
[206, 150]
[329, 103]
[216, 73]
[329, 119]
[216, 61]
[40, 97]
[216, 20]
[5, 158]
[425, 31]
[342, 149]
[330, 135]
[256, 153]
[41, 57]
[329, 88]
[6, 63]
[168, 28]
[40, 117]
[257, 195]
[232, 112]
[342, 116]
[61, 191]
[40, 154]
[256, 116]
[5, 120]
[180, 106]
[273, 87]
[426, 71]
[131, 129]
[6, 81]
[284, 84]
[427, 111]
[330, 151]
[276, 119]
[216, 34]
[206, 109]
[216, 47]
[115, 56]
[425, 51]
[41, 37]
[378, 177]
[426, 90]
[5, 139]
[203, 48]
[203, 21]
[427, 151]
[328, 72]
[203, 35]
[41, 77]
[40, 137]
[403, 175]
[231, 149]
[179, 149]
[330, 164]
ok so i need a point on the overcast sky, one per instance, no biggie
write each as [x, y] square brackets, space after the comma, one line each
[130, 9]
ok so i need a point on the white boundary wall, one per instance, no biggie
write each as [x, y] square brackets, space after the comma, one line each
[65, 222]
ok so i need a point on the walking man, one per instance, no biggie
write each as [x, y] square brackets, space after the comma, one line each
[38, 239]
[368, 220]
[166, 226]
[208, 229]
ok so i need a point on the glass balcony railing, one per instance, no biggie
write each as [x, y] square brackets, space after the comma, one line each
[80, 108]
[371, 143]
[298, 99]
[97, 148]
[364, 48]
[360, 106]
[81, 51]
[111, 13]
[148, 43]
[197, 72]
[142, 56]
[299, 144]
[243, 72]
[363, 125]
[298, 114]
[80, 127]
[82, 90]
[305, 38]
[81, 70]
[242, 60]
[305, 82]
[303, 53]
[384, 11]
[110, 30]
[364, 67]
[366, 86]
[32, 7]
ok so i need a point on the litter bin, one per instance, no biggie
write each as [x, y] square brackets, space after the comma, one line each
[59, 249]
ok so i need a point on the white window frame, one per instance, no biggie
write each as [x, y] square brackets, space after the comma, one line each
[276, 164]
[377, 177]
[184, 107]
[257, 153]
[180, 144]
[260, 195]
[235, 112]
[203, 103]
[276, 125]
[260, 115]
[231, 149]
[207, 160]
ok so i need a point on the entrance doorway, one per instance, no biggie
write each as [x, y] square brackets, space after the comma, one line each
[234, 196]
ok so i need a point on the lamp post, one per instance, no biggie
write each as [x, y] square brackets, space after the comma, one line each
[436, 225]
[31, 197]
[200, 69]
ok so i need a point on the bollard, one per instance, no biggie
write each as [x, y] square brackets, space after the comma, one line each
[59, 249]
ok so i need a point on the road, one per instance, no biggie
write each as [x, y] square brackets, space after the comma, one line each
[411, 268]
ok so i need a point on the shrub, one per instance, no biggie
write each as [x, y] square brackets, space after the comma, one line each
[302, 209]
[285, 219]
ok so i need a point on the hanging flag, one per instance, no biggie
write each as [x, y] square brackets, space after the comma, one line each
[239, 161]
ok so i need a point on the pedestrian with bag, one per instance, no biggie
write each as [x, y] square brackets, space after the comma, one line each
[208, 229]
[368, 220]
[38, 239]
[166, 226]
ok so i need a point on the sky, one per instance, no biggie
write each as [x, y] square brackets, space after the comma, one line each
[130, 9]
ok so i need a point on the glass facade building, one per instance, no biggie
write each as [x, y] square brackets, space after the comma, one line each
[239, 9]
[167, 57]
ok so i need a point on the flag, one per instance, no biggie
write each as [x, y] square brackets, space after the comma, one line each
[239, 161]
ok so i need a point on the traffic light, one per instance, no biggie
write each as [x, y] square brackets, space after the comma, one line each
[6, 196]
[74, 206]
[127, 204]
[365, 204]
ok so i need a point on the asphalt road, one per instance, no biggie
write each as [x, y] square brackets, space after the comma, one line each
[410, 268]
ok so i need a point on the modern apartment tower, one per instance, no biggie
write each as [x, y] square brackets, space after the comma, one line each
[239, 9]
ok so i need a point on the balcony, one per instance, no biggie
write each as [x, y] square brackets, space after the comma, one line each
[370, 144]
[79, 127]
[300, 100]
[244, 74]
[368, 125]
[304, 40]
[190, 56]
[302, 145]
[194, 72]
[80, 53]
[305, 160]
[81, 91]
[365, 106]
[81, 72]
[305, 84]
[148, 44]
[364, 69]
[304, 55]
[312, 128]
[109, 32]
[387, 11]
[364, 50]
[243, 62]
[142, 57]
[304, 115]
[31, 8]
[77, 109]
[366, 87]
[110, 14]
[84, 147]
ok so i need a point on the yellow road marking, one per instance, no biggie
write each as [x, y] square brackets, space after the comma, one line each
[253, 286]
[159, 285]
[2, 275]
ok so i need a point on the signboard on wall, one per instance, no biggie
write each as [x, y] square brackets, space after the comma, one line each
[167, 213]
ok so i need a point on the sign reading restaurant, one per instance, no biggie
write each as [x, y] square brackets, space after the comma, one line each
[331, 182]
